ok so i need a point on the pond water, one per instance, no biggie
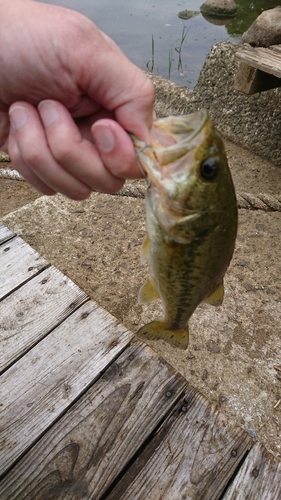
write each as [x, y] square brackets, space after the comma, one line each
[154, 37]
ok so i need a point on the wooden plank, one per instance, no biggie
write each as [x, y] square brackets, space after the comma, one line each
[259, 69]
[275, 48]
[89, 446]
[5, 233]
[33, 310]
[250, 80]
[192, 456]
[264, 59]
[39, 387]
[18, 263]
[259, 477]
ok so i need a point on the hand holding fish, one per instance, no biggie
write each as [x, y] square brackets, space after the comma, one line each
[67, 97]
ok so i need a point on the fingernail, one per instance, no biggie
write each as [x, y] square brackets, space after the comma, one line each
[103, 138]
[19, 117]
[49, 112]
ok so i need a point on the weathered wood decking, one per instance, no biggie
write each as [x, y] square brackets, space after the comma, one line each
[259, 69]
[88, 412]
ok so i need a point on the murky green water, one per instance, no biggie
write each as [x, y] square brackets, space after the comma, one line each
[133, 24]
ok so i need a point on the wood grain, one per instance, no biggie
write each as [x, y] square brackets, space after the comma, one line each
[265, 59]
[39, 387]
[33, 310]
[5, 233]
[18, 263]
[250, 80]
[192, 456]
[83, 453]
[276, 48]
[258, 478]
[259, 69]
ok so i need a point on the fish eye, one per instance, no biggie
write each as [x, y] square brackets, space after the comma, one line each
[209, 169]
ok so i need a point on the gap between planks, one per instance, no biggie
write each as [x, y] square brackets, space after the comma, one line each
[18, 264]
[32, 311]
[84, 451]
[193, 455]
[5, 233]
[40, 386]
[258, 477]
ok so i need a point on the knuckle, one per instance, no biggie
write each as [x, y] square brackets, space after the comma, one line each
[63, 151]
[62, 155]
[33, 157]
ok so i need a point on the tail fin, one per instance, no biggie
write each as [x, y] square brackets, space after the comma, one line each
[156, 330]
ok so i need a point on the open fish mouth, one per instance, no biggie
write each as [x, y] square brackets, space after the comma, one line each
[171, 139]
[169, 157]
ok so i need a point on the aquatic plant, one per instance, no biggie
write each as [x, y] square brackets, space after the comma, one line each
[150, 63]
[185, 30]
[170, 60]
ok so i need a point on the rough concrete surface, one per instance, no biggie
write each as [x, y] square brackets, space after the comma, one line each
[233, 349]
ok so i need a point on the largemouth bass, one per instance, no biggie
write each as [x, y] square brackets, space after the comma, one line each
[191, 221]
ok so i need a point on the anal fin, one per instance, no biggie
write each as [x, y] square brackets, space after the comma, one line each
[148, 292]
[145, 248]
[216, 298]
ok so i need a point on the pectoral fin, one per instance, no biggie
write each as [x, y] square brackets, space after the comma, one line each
[145, 249]
[156, 330]
[148, 292]
[216, 298]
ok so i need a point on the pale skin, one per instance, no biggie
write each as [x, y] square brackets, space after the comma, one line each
[68, 98]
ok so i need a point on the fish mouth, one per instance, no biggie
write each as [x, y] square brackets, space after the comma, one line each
[171, 139]
[165, 160]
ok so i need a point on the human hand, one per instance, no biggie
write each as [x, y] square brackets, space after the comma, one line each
[71, 95]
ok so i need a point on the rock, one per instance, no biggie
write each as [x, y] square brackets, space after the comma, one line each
[218, 8]
[213, 347]
[188, 14]
[252, 433]
[218, 21]
[4, 156]
[265, 30]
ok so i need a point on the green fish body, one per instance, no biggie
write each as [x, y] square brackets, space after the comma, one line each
[191, 221]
